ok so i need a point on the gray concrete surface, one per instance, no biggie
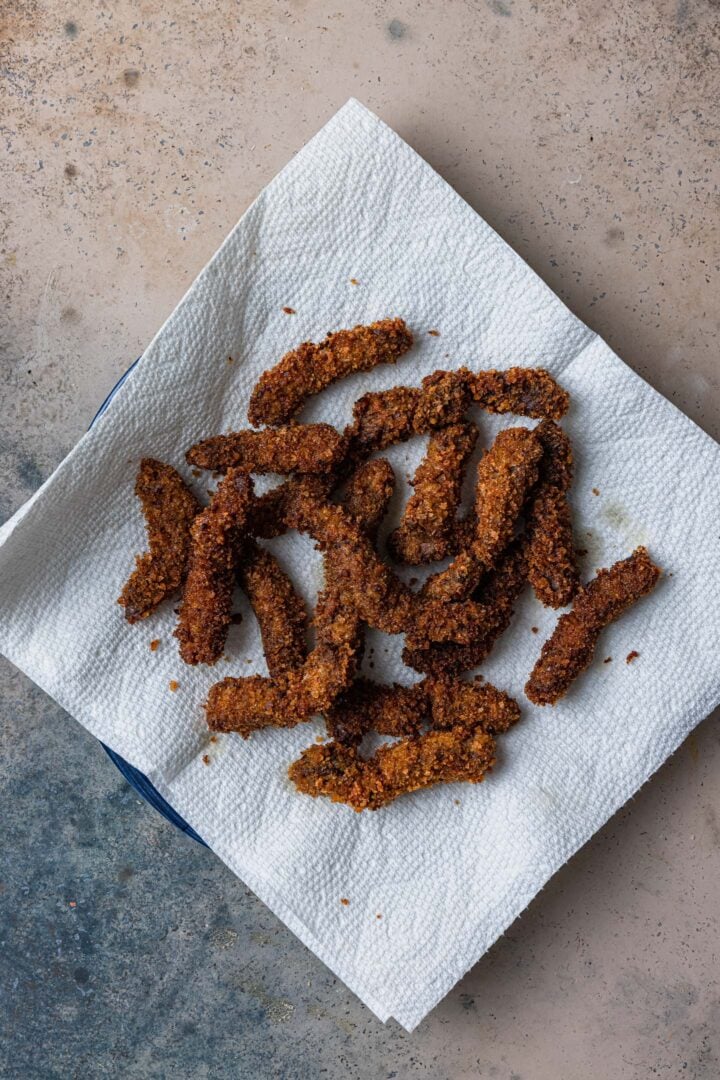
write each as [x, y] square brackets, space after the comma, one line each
[134, 135]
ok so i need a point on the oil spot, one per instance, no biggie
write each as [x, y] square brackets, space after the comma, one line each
[614, 235]
[131, 77]
[70, 170]
[70, 314]
[500, 7]
[277, 1010]
[81, 976]
[71, 30]
[223, 937]
[397, 29]
[29, 472]
[126, 873]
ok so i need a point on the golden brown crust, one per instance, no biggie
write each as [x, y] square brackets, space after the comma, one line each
[282, 391]
[474, 704]
[552, 565]
[302, 448]
[398, 768]
[369, 706]
[570, 648]
[506, 473]
[497, 594]
[368, 586]
[169, 508]
[215, 537]
[368, 493]
[524, 391]
[427, 531]
[279, 610]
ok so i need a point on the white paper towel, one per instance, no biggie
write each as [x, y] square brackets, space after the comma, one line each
[449, 869]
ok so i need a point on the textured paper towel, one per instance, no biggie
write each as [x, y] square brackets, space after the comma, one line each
[448, 869]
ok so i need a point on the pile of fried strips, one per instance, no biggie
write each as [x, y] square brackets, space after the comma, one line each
[336, 490]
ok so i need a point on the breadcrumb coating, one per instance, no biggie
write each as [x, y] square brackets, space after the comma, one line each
[570, 648]
[427, 530]
[278, 608]
[506, 473]
[524, 391]
[281, 392]
[437, 757]
[216, 535]
[302, 448]
[552, 565]
[169, 508]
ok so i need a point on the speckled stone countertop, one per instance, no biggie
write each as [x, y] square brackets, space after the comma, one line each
[135, 134]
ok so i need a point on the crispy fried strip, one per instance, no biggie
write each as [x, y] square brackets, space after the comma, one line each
[170, 509]
[368, 586]
[426, 532]
[570, 648]
[497, 594]
[470, 704]
[267, 516]
[402, 710]
[367, 494]
[395, 769]
[523, 391]
[216, 535]
[281, 392]
[506, 473]
[279, 610]
[303, 448]
[391, 416]
[552, 566]
[369, 706]
[245, 705]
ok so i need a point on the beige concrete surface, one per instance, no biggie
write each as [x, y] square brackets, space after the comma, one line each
[133, 137]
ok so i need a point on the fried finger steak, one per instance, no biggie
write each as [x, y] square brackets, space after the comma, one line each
[302, 448]
[169, 508]
[506, 473]
[245, 705]
[497, 594]
[426, 532]
[570, 648]
[369, 588]
[552, 566]
[216, 535]
[279, 610]
[524, 391]
[395, 769]
[282, 391]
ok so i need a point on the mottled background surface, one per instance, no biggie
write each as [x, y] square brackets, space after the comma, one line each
[133, 137]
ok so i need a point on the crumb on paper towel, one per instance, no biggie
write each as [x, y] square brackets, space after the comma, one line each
[196, 473]
[631, 656]
[230, 360]
[206, 759]
[378, 916]
[534, 629]
[595, 491]
[344, 901]
[213, 738]
[154, 644]
[354, 281]
[289, 310]
[607, 660]
[434, 333]
[174, 685]
[456, 801]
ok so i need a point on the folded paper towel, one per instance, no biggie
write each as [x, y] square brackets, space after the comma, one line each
[451, 868]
